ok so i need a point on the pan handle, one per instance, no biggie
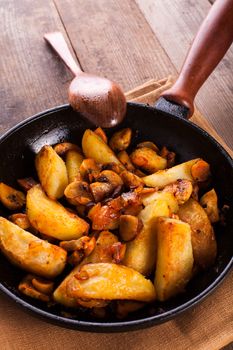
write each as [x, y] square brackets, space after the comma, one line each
[209, 46]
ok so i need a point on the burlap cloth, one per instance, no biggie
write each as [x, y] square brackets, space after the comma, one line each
[209, 325]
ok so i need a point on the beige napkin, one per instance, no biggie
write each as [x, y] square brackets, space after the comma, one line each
[208, 326]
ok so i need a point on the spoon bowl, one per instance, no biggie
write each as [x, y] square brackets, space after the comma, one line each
[100, 100]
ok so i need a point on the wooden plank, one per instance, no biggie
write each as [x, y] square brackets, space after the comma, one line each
[175, 25]
[32, 78]
[112, 38]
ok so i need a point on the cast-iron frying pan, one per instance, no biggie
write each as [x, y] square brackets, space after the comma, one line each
[165, 125]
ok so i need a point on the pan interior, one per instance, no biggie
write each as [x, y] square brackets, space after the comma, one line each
[18, 149]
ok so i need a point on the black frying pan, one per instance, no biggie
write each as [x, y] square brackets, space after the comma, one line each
[165, 125]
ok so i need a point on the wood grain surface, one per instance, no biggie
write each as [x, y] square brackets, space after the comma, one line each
[215, 99]
[32, 77]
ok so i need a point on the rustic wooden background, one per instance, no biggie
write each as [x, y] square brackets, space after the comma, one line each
[128, 41]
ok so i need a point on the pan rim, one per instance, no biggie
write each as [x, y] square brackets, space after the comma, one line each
[131, 324]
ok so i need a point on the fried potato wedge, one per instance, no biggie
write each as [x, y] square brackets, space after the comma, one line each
[174, 257]
[168, 197]
[51, 218]
[11, 198]
[94, 147]
[141, 252]
[165, 177]
[73, 161]
[148, 159]
[203, 238]
[120, 140]
[209, 201]
[110, 282]
[101, 253]
[52, 172]
[30, 252]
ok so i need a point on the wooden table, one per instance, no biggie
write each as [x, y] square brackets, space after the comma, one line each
[127, 41]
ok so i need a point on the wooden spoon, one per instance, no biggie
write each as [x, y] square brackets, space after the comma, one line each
[98, 99]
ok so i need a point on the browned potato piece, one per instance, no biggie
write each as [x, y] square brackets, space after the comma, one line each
[62, 148]
[94, 147]
[203, 239]
[21, 220]
[100, 132]
[89, 170]
[125, 160]
[26, 287]
[52, 172]
[12, 199]
[73, 162]
[79, 193]
[27, 183]
[101, 253]
[30, 252]
[141, 252]
[148, 144]
[51, 218]
[131, 180]
[209, 201]
[121, 140]
[174, 257]
[124, 307]
[110, 282]
[148, 160]
[168, 197]
[129, 227]
[182, 190]
[200, 171]
[168, 176]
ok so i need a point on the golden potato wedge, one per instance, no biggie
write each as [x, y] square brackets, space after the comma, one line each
[100, 132]
[165, 177]
[110, 282]
[30, 252]
[203, 238]
[94, 147]
[141, 252]
[164, 196]
[11, 198]
[200, 171]
[51, 218]
[209, 201]
[125, 160]
[148, 160]
[120, 140]
[101, 253]
[174, 261]
[73, 161]
[52, 172]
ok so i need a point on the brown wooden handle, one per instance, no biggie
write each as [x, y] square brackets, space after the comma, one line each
[210, 44]
[57, 41]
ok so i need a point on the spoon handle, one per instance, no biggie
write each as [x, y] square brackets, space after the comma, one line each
[210, 44]
[57, 41]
